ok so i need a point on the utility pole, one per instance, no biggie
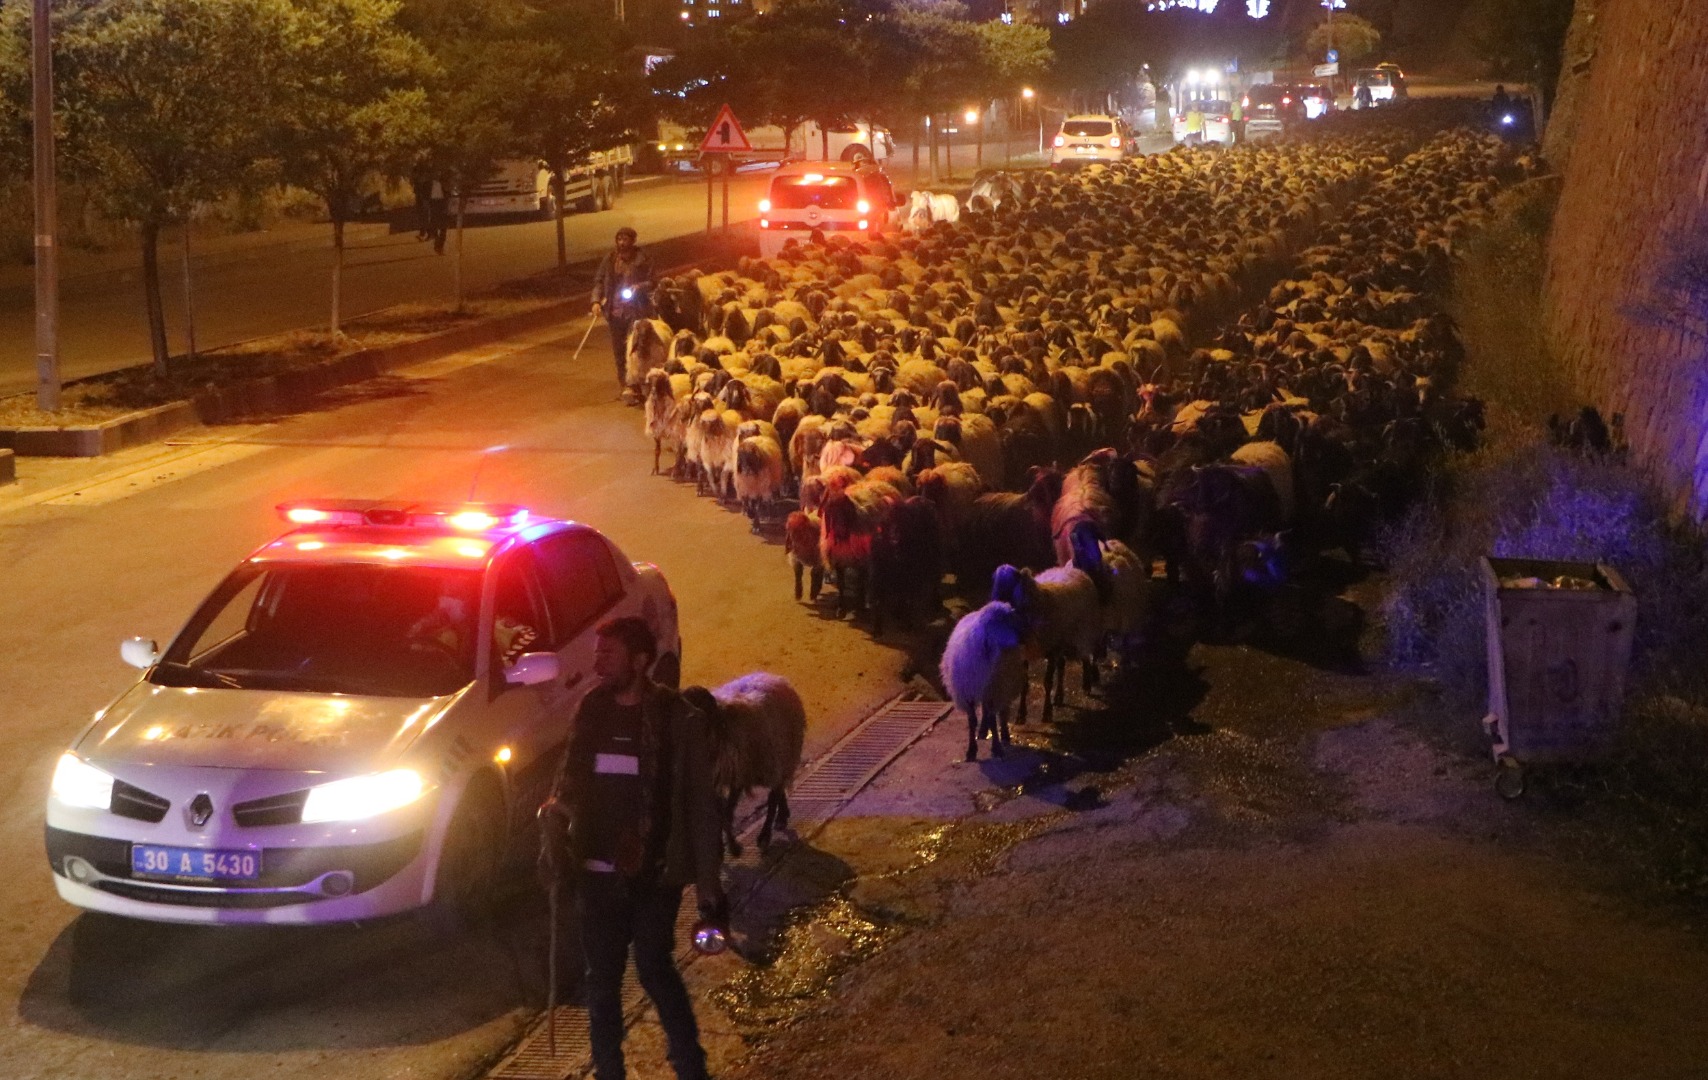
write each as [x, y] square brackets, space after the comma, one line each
[47, 211]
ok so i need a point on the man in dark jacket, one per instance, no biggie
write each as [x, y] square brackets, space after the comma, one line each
[622, 291]
[632, 821]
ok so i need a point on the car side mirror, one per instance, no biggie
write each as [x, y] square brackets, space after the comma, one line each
[533, 669]
[139, 652]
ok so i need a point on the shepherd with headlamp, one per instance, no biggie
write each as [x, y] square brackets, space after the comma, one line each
[622, 293]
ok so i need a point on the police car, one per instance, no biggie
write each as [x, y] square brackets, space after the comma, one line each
[359, 721]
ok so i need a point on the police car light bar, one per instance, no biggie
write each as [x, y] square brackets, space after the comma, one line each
[465, 517]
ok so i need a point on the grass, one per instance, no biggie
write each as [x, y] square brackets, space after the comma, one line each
[1518, 495]
[109, 396]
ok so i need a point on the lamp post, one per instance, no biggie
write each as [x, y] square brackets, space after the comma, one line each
[1028, 94]
[47, 210]
[974, 116]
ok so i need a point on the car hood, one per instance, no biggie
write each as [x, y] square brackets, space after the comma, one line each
[256, 729]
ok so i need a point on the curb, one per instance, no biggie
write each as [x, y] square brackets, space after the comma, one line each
[93, 440]
[8, 468]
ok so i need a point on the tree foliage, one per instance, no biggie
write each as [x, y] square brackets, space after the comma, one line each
[1524, 40]
[1355, 38]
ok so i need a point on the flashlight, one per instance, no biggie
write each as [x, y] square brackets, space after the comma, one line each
[1508, 120]
[709, 939]
[628, 294]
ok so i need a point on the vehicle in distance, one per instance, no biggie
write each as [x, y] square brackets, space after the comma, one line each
[679, 146]
[1089, 137]
[1218, 122]
[1387, 84]
[523, 187]
[826, 196]
[360, 720]
[1271, 110]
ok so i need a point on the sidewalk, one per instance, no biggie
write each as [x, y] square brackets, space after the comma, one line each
[1250, 868]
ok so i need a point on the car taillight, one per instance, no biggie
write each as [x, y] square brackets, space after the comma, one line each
[864, 224]
[1115, 141]
[1286, 101]
[863, 206]
[1061, 141]
[764, 206]
[764, 224]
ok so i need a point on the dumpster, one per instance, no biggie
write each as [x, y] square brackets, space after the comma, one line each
[1559, 641]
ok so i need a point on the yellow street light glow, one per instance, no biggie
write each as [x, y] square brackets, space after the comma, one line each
[1028, 93]
[972, 116]
[503, 755]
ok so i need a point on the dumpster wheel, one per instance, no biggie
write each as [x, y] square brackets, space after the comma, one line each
[1509, 777]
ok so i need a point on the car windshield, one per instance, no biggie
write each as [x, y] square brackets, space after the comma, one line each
[1088, 128]
[388, 631]
[1267, 95]
[1214, 108]
[1375, 78]
[825, 192]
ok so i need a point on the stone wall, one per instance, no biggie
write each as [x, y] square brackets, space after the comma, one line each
[1624, 311]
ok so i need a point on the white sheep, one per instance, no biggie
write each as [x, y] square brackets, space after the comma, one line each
[757, 726]
[984, 667]
[1064, 620]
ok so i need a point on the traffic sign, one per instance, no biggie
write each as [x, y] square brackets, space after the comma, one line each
[1323, 71]
[725, 135]
[1333, 56]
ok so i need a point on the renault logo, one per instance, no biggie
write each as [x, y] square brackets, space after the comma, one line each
[201, 809]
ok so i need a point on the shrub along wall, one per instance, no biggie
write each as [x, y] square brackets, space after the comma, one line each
[1626, 296]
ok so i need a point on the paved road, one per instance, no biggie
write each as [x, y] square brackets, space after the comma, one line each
[241, 295]
[88, 557]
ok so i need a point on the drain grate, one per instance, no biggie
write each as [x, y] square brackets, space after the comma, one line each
[816, 796]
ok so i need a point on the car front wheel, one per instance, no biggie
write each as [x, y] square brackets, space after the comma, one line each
[466, 883]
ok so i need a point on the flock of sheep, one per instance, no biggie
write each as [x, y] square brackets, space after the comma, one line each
[1210, 364]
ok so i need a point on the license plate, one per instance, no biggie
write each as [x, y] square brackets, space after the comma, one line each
[196, 864]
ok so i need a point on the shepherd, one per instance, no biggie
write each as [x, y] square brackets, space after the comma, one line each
[622, 293]
[631, 822]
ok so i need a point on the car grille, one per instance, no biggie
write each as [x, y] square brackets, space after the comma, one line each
[135, 890]
[133, 802]
[275, 810]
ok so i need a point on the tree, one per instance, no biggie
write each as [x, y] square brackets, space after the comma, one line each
[946, 70]
[1355, 38]
[468, 99]
[350, 104]
[156, 102]
[1012, 54]
[1524, 41]
[574, 90]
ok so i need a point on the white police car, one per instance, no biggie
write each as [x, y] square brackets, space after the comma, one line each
[359, 721]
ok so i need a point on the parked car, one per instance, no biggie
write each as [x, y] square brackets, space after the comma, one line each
[827, 196]
[360, 720]
[1090, 137]
[1387, 84]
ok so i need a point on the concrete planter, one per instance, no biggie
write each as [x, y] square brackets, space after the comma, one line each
[132, 429]
[268, 395]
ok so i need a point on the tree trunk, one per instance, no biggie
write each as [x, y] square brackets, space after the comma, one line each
[458, 272]
[918, 137]
[823, 142]
[337, 274]
[189, 299]
[557, 217]
[151, 297]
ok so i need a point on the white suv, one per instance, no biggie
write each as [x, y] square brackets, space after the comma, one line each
[359, 721]
[1090, 137]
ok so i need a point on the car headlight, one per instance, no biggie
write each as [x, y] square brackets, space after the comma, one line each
[361, 797]
[78, 783]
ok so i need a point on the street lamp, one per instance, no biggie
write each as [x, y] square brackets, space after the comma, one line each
[972, 116]
[46, 209]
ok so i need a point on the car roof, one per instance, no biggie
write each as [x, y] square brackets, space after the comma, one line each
[1089, 116]
[840, 168]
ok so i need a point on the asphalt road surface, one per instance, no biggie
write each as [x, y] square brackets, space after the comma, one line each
[90, 553]
[247, 293]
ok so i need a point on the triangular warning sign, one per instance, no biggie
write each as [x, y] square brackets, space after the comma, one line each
[725, 135]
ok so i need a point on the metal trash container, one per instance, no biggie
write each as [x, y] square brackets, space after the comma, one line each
[1559, 641]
